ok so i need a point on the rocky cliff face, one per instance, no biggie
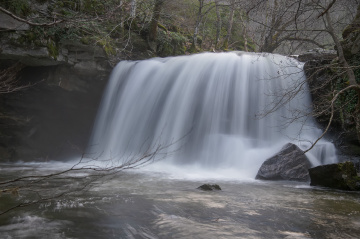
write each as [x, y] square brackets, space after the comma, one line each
[50, 119]
[326, 77]
[323, 80]
[53, 116]
[66, 66]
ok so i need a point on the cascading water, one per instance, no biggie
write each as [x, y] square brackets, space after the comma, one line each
[208, 106]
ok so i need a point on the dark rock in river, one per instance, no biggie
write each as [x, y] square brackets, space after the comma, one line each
[209, 187]
[289, 164]
[338, 176]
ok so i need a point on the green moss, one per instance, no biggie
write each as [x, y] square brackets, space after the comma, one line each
[349, 175]
[93, 6]
[18, 7]
[162, 27]
[170, 43]
[72, 4]
[53, 49]
[107, 44]
[199, 40]
[85, 40]
[29, 39]
[174, 28]
[193, 49]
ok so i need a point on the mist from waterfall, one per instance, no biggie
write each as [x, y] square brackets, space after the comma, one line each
[214, 109]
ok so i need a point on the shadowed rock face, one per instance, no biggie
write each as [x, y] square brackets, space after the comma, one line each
[51, 119]
[339, 176]
[289, 164]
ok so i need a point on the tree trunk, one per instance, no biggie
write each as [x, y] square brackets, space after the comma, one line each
[197, 25]
[230, 24]
[244, 30]
[218, 23]
[133, 9]
[155, 20]
[122, 19]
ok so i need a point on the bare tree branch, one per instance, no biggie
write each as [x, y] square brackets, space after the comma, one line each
[29, 22]
[327, 9]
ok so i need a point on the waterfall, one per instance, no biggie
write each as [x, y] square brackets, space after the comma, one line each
[214, 109]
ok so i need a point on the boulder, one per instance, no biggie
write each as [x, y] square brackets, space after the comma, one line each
[209, 187]
[341, 176]
[289, 164]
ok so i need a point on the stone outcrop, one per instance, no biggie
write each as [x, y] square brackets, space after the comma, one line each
[343, 176]
[9, 23]
[83, 59]
[318, 54]
[209, 187]
[289, 164]
[319, 78]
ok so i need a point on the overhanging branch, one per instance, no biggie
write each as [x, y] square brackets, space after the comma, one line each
[29, 22]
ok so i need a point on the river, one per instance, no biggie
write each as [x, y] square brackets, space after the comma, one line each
[148, 203]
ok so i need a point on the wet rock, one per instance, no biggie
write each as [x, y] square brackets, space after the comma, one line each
[289, 164]
[341, 176]
[209, 187]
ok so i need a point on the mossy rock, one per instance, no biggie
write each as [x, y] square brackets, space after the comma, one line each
[139, 43]
[341, 176]
[85, 40]
[170, 43]
[209, 187]
[53, 49]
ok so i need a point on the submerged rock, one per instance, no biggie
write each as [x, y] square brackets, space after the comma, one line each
[338, 176]
[209, 187]
[289, 164]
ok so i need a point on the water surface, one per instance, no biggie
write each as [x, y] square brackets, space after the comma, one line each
[145, 204]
